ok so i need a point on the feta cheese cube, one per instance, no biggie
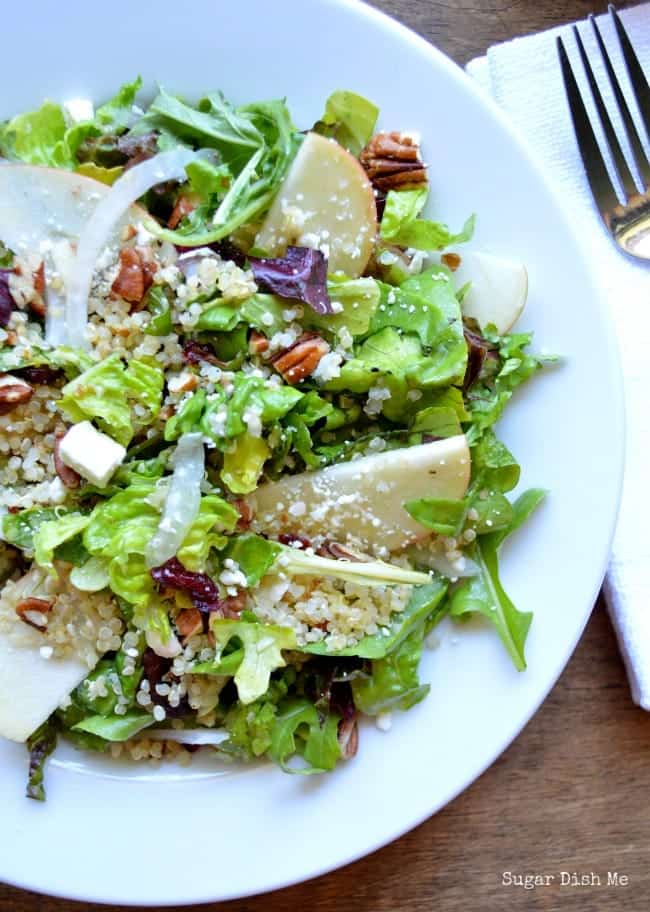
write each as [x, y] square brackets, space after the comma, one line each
[92, 454]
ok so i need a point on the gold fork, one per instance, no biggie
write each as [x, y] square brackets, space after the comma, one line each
[627, 221]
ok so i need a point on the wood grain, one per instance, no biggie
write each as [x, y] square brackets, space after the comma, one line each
[571, 793]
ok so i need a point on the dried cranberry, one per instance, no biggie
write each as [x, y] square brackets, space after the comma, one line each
[155, 667]
[41, 375]
[203, 591]
[195, 352]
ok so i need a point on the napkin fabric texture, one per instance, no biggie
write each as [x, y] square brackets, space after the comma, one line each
[523, 77]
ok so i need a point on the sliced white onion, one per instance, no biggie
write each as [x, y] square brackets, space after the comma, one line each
[196, 736]
[166, 650]
[182, 502]
[189, 262]
[59, 263]
[124, 192]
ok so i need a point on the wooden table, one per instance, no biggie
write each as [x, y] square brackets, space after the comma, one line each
[571, 794]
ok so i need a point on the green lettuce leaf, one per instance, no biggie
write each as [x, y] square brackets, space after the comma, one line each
[359, 300]
[106, 393]
[484, 592]
[116, 115]
[349, 118]
[401, 225]
[243, 464]
[254, 555]
[262, 644]
[38, 138]
[216, 516]
[55, 532]
[119, 530]
[71, 360]
[89, 702]
[115, 728]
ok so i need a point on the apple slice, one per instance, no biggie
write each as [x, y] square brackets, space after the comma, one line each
[498, 289]
[45, 204]
[326, 201]
[361, 502]
[32, 687]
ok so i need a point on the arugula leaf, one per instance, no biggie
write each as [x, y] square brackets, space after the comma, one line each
[490, 394]
[393, 682]
[484, 592]
[444, 517]
[299, 729]
[256, 142]
[425, 602]
[349, 118]
[401, 225]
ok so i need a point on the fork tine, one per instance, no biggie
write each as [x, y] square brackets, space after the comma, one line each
[628, 122]
[601, 186]
[612, 140]
[638, 81]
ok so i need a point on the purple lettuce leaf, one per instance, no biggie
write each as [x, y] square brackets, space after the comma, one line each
[300, 274]
[6, 301]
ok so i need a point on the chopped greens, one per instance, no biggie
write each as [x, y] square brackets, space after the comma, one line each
[260, 570]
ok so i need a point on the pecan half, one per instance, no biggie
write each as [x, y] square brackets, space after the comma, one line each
[29, 284]
[135, 276]
[336, 551]
[245, 514]
[189, 622]
[34, 611]
[257, 343]
[393, 162]
[348, 737]
[185, 204]
[13, 392]
[233, 606]
[301, 359]
[451, 260]
[68, 476]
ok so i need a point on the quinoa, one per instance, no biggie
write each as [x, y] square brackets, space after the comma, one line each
[335, 612]
[80, 624]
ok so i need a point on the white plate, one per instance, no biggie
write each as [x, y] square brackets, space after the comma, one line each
[136, 836]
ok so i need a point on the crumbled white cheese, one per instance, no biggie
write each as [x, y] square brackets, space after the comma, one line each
[92, 454]
[328, 367]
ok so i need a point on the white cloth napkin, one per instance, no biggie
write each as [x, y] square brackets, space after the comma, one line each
[523, 76]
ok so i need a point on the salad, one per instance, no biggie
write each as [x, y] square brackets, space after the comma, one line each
[247, 451]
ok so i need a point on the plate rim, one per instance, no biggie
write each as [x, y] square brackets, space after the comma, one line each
[600, 307]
